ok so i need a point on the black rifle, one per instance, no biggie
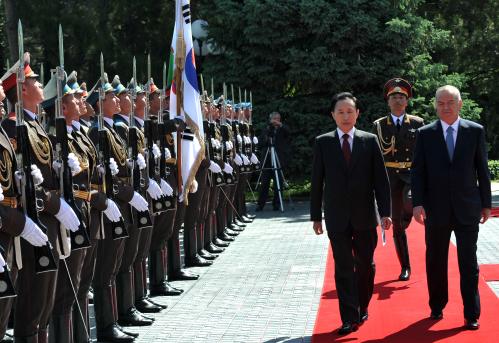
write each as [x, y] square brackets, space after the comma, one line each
[79, 238]
[119, 230]
[44, 258]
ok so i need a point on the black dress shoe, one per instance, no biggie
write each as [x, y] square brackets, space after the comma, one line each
[145, 306]
[436, 315]
[207, 255]
[347, 328]
[133, 318]
[234, 227]
[250, 216]
[247, 219]
[164, 289]
[197, 261]
[155, 303]
[471, 324]
[133, 334]
[405, 274]
[113, 334]
[231, 233]
[90, 296]
[213, 249]
[363, 316]
[221, 244]
[183, 275]
[238, 223]
[226, 238]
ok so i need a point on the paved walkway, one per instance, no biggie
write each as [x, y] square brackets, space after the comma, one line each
[264, 288]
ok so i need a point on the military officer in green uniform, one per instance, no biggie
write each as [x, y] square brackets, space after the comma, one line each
[397, 135]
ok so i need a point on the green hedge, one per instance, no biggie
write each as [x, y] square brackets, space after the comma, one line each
[494, 169]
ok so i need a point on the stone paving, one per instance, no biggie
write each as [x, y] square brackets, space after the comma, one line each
[265, 287]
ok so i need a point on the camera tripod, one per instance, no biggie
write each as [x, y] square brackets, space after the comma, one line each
[275, 166]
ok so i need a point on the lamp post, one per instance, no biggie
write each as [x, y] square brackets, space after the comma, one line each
[199, 36]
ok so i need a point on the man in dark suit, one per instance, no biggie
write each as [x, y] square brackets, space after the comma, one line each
[348, 169]
[451, 191]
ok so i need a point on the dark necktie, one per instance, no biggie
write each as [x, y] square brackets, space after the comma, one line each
[398, 124]
[345, 146]
[449, 141]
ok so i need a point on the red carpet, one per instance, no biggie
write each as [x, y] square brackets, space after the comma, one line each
[399, 311]
[490, 272]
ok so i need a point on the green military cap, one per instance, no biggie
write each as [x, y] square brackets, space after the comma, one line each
[139, 89]
[118, 86]
[50, 90]
[73, 82]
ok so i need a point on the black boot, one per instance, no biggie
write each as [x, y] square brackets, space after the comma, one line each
[30, 339]
[104, 308]
[400, 240]
[207, 255]
[165, 289]
[220, 243]
[112, 333]
[61, 327]
[80, 333]
[197, 261]
[213, 249]
[132, 317]
[182, 275]
[145, 306]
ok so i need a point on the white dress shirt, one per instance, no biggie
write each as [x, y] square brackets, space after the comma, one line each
[109, 121]
[395, 118]
[350, 136]
[454, 125]
[32, 115]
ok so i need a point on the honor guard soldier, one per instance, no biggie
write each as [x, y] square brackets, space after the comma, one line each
[14, 225]
[192, 218]
[68, 279]
[126, 125]
[113, 158]
[37, 279]
[88, 181]
[397, 136]
[163, 222]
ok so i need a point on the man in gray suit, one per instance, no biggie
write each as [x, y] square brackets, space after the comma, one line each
[451, 192]
[349, 174]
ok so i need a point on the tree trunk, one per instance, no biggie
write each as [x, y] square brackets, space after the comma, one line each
[11, 19]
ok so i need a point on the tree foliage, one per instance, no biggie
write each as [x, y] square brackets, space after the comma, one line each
[293, 54]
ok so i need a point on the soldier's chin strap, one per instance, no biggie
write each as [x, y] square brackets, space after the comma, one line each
[76, 300]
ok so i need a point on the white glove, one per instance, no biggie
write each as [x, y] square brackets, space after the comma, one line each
[166, 188]
[113, 166]
[215, 168]
[254, 159]
[231, 145]
[213, 142]
[247, 140]
[239, 139]
[37, 175]
[1, 194]
[255, 140]
[74, 164]
[245, 160]
[112, 211]
[228, 169]
[156, 151]
[138, 202]
[154, 190]
[168, 154]
[2, 264]
[141, 162]
[238, 160]
[194, 187]
[227, 146]
[67, 217]
[33, 234]
[217, 144]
